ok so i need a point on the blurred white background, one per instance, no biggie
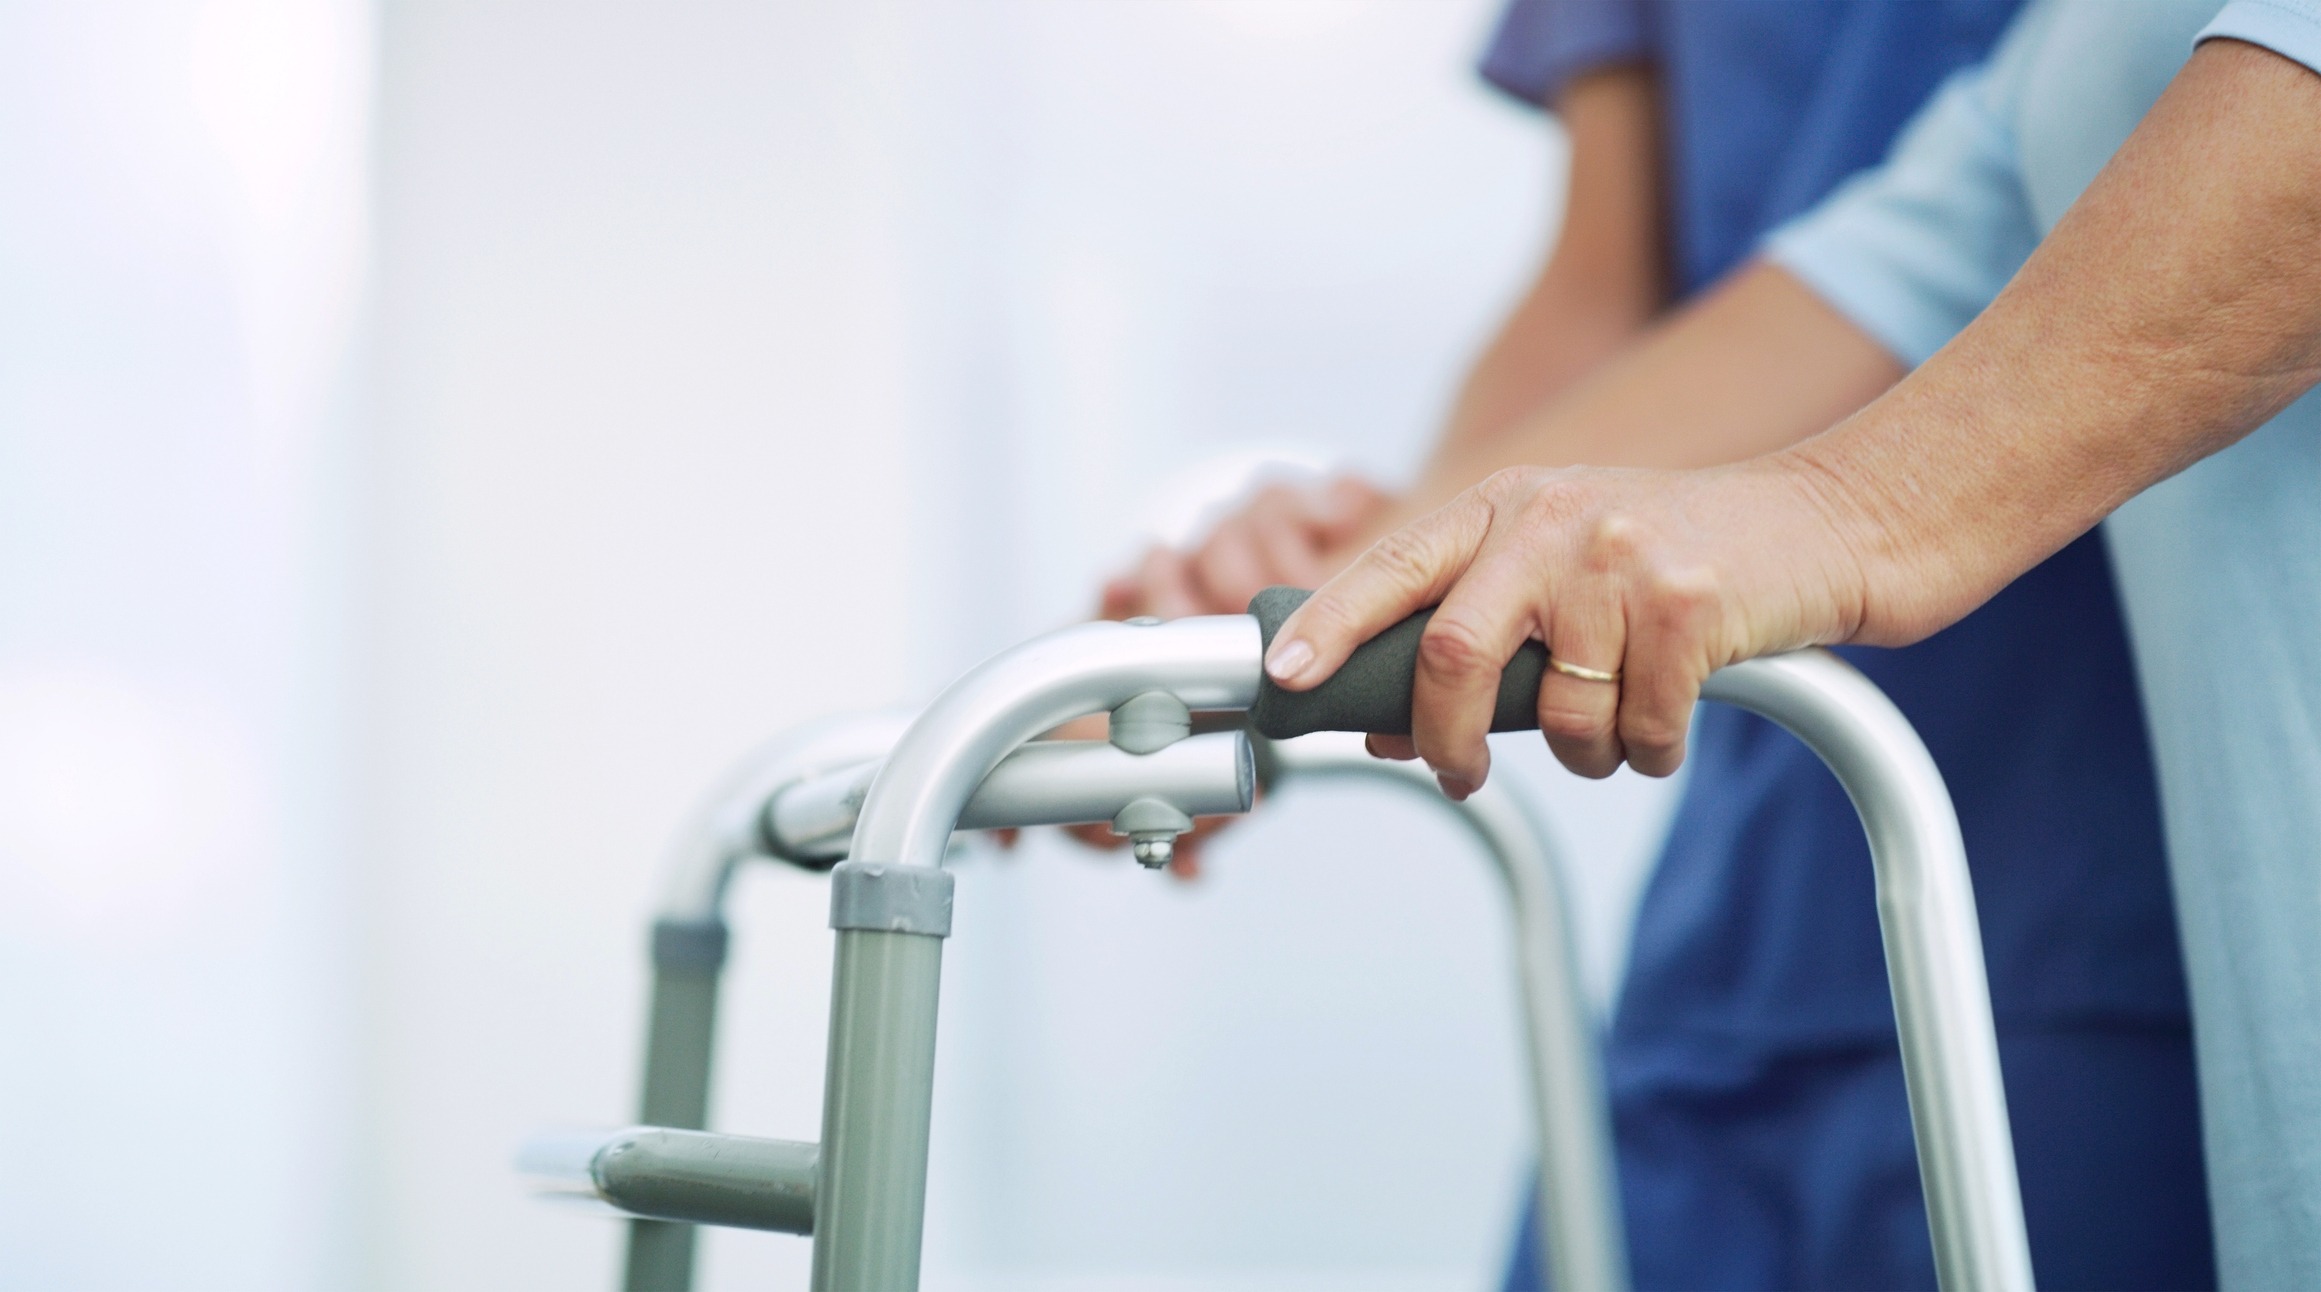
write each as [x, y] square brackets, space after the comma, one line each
[436, 437]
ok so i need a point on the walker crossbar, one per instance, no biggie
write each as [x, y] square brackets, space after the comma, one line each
[736, 1181]
[1050, 782]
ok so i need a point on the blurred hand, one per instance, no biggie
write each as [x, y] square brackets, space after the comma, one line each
[1659, 577]
[1288, 534]
[1185, 863]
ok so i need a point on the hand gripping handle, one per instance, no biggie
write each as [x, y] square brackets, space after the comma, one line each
[1372, 691]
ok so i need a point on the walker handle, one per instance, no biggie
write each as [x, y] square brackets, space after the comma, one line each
[1371, 692]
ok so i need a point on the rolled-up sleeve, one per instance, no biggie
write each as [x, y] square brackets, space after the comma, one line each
[1540, 45]
[2290, 28]
[1912, 250]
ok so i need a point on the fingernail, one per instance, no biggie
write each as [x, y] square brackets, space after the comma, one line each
[1288, 659]
[1454, 788]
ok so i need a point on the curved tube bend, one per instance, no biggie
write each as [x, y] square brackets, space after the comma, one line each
[723, 831]
[1210, 662]
[1934, 954]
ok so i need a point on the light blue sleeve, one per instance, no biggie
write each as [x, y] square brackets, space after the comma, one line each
[2290, 28]
[1912, 250]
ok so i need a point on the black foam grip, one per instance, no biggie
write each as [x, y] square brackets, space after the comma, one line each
[1371, 692]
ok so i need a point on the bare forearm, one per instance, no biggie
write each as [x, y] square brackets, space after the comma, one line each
[1756, 365]
[2174, 309]
[1603, 280]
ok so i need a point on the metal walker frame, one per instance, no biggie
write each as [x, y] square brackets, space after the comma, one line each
[964, 763]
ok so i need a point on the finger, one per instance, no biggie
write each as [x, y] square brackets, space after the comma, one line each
[1093, 726]
[1122, 598]
[1185, 859]
[1099, 837]
[1397, 748]
[1006, 839]
[1344, 506]
[1580, 716]
[1271, 541]
[1406, 571]
[1185, 862]
[1669, 656]
[1474, 632]
[1289, 545]
[1226, 569]
[1168, 585]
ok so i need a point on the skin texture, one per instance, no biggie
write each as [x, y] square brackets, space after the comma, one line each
[2174, 309]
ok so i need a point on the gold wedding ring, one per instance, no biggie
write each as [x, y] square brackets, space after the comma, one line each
[1582, 671]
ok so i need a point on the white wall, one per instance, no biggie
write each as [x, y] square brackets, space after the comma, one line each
[639, 375]
[739, 362]
[181, 225]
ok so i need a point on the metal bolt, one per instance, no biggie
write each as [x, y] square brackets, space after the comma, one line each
[1153, 851]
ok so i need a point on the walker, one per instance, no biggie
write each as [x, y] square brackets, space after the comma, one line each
[898, 790]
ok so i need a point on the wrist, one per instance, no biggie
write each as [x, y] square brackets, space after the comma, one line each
[1824, 539]
[1915, 547]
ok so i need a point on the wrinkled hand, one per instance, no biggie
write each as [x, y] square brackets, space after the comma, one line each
[1287, 534]
[1659, 577]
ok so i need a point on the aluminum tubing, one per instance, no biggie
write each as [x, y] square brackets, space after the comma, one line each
[678, 1049]
[1934, 957]
[736, 1181]
[1584, 1242]
[721, 833]
[723, 830]
[1047, 782]
[871, 1201]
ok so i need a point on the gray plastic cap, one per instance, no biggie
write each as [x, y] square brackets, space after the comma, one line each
[884, 897]
[690, 946]
[1150, 722]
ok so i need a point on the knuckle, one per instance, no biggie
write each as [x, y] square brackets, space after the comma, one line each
[1507, 483]
[1454, 647]
[1680, 597]
[1572, 723]
[1406, 558]
[1616, 541]
[1652, 731]
[1547, 498]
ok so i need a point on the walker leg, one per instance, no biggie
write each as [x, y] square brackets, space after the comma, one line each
[688, 959]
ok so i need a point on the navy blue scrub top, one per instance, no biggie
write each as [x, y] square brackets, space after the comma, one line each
[1763, 1136]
